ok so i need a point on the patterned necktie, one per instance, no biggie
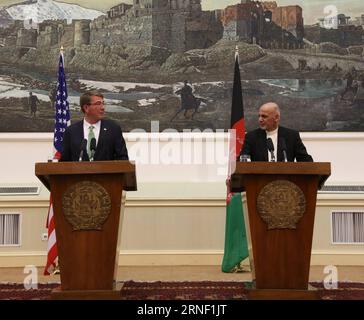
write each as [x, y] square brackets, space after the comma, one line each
[91, 135]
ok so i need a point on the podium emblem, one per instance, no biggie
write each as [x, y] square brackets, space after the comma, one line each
[281, 204]
[86, 205]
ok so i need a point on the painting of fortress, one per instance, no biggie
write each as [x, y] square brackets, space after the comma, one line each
[140, 54]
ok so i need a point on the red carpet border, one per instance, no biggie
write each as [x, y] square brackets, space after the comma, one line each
[204, 290]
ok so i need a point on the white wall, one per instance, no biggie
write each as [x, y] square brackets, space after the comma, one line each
[177, 216]
[173, 157]
[345, 151]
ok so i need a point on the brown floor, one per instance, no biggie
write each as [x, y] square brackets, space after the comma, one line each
[185, 273]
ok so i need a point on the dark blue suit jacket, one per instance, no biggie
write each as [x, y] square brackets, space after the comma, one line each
[110, 146]
[256, 146]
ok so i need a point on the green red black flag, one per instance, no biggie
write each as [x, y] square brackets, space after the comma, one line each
[237, 110]
[236, 246]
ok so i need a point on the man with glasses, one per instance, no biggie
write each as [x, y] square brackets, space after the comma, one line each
[285, 143]
[105, 139]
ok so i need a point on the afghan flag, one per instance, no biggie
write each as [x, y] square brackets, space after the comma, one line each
[236, 245]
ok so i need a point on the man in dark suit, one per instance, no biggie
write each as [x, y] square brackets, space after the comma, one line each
[110, 144]
[255, 143]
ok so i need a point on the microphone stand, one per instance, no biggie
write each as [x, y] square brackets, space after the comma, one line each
[272, 157]
[285, 156]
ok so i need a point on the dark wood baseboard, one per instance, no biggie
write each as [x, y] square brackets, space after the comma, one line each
[282, 294]
[58, 294]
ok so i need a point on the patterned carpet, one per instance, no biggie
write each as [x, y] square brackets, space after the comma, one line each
[205, 290]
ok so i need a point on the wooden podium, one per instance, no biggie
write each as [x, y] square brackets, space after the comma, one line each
[281, 199]
[87, 201]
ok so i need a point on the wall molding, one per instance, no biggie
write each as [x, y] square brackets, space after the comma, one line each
[177, 258]
[166, 136]
[323, 200]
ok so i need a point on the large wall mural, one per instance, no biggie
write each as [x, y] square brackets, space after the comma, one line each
[171, 61]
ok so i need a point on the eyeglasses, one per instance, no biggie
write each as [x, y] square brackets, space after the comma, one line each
[98, 103]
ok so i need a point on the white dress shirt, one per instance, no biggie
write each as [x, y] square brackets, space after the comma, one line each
[96, 129]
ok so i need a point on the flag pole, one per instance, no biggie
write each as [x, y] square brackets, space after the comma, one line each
[61, 52]
[236, 246]
[62, 121]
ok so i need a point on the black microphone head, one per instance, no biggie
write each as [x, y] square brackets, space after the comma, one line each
[82, 149]
[93, 144]
[282, 143]
[270, 145]
[83, 144]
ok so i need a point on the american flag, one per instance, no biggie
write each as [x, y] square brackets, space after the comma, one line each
[62, 118]
[62, 121]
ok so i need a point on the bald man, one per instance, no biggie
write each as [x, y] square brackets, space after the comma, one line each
[282, 138]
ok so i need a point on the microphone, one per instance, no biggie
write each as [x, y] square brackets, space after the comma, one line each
[82, 149]
[92, 148]
[270, 147]
[283, 145]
